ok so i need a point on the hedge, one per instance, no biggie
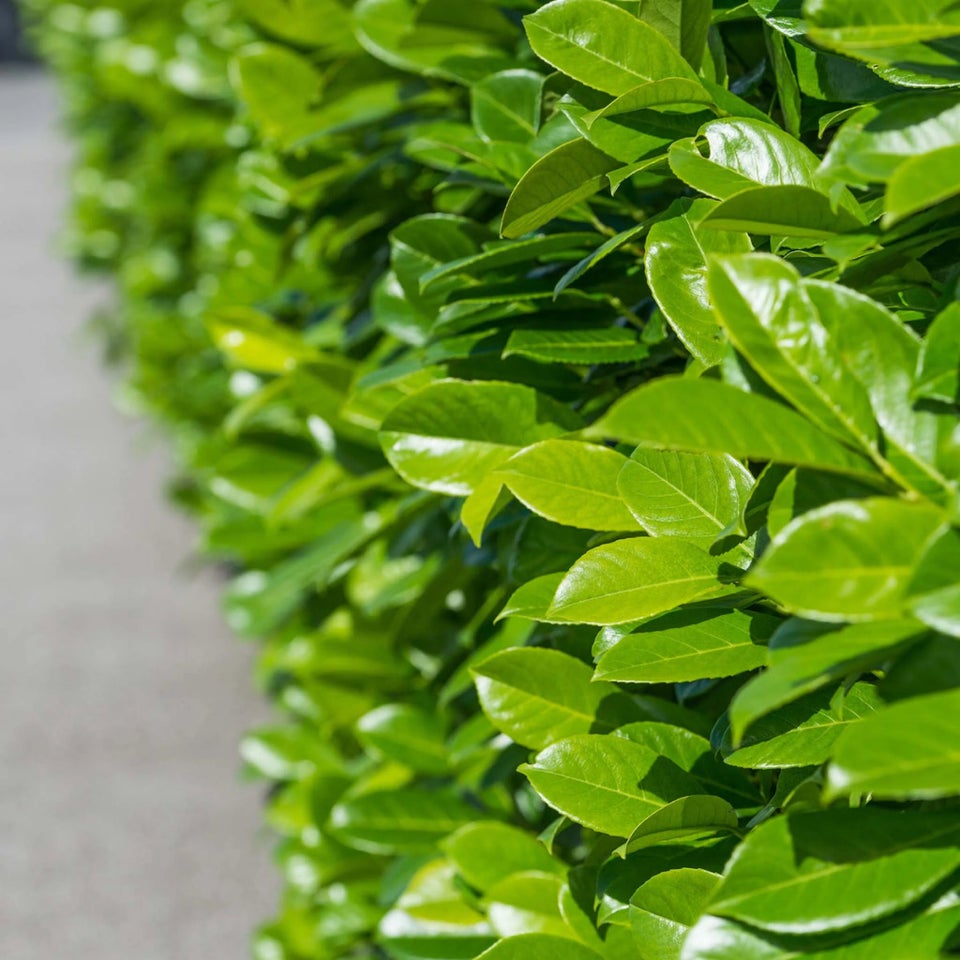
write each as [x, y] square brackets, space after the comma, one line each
[572, 391]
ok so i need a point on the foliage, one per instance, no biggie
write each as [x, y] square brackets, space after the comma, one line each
[573, 389]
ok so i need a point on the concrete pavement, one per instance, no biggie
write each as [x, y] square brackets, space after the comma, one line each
[124, 831]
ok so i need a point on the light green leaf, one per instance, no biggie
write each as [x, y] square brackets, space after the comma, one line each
[850, 560]
[570, 482]
[921, 182]
[609, 784]
[410, 820]
[407, 735]
[636, 578]
[596, 43]
[693, 754]
[938, 376]
[499, 254]
[876, 140]
[673, 92]
[603, 345]
[790, 211]
[537, 696]
[883, 355]
[439, 39]
[556, 182]
[506, 106]
[683, 22]
[752, 427]
[538, 946]
[796, 737]
[909, 751]
[664, 908]
[770, 320]
[450, 435]
[689, 645]
[533, 599]
[672, 493]
[677, 256]
[820, 872]
[254, 341]
[745, 153]
[804, 656]
[685, 819]
[486, 853]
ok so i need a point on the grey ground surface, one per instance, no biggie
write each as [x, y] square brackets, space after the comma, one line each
[124, 831]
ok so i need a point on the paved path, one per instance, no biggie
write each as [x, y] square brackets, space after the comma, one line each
[124, 831]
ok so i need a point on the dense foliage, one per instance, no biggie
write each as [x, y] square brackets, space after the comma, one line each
[572, 388]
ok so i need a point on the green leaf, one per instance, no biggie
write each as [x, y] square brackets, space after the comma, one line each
[254, 341]
[665, 907]
[596, 43]
[677, 257]
[320, 23]
[506, 106]
[921, 182]
[486, 853]
[914, 37]
[606, 783]
[604, 345]
[850, 560]
[684, 24]
[279, 87]
[409, 820]
[908, 751]
[684, 819]
[752, 427]
[883, 355]
[689, 645]
[406, 734]
[745, 153]
[534, 598]
[693, 754]
[537, 696]
[571, 483]
[527, 902]
[449, 435]
[677, 92]
[538, 946]
[821, 872]
[876, 140]
[440, 39]
[763, 307]
[938, 376]
[556, 182]
[791, 211]
[636, 578]
[672, 493]
[796, 737]
[804, 656]
[498, 255]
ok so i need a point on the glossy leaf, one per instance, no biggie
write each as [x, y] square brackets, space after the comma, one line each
[906, 751]
[448, 435]
[688, 646]
[595, 42]
[753, 427]
[837, 878]
[572, 172]
[537, 696]
[850, 560]
[570, 483]
[636, 578]
[677, 256]
[606, 783]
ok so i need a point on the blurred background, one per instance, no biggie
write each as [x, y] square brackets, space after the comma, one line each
[124, 832]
